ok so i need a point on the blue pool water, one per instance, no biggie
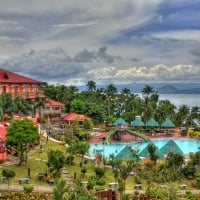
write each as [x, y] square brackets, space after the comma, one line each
[186, 145]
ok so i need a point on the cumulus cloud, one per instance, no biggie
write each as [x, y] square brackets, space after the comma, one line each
[54, 65]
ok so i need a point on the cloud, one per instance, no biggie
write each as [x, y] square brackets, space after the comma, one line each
[195, 52]
[183, 35]
[103, 55]
[108, 41]
[85, 56]
[92, 56]
[55, 66]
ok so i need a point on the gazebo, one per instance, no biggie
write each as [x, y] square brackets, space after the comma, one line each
[126, 153]
[145, 152]
[120, 123]
[172, 147]
[152, 123]
[167, 124]
[137, 122]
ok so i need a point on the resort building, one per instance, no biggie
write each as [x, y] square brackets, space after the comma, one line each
[19, 85]
[71, 117]
[53, 109]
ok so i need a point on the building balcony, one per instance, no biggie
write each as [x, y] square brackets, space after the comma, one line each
[29, 95]
[52, 112]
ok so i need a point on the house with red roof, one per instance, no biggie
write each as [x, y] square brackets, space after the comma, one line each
[19, 85]
[53, 109]
[71, 117]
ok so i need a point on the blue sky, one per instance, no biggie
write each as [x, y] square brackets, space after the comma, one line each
[116, 41]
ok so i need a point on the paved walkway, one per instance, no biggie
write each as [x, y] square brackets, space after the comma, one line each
[16, 187]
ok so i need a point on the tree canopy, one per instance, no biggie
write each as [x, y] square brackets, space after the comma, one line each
[20, 133]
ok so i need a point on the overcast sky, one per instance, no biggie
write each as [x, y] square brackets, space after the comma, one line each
[115, 41]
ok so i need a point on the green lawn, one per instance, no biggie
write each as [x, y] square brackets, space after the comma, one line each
[36, 162]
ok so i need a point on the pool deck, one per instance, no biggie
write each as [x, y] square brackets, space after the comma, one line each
[98, 137]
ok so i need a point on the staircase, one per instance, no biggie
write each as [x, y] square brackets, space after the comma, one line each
[67, 177]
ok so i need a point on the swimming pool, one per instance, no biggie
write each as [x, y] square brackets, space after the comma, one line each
[186, 145]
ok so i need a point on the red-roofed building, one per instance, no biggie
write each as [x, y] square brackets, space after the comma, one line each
[19, 85]
[53, 108]
[71, 117]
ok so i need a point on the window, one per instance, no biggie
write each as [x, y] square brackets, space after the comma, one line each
[25, 89]
[15, 89]
[34, 89]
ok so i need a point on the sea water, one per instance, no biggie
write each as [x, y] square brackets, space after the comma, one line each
[178, 100]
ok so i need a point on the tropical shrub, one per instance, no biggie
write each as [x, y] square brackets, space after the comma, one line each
[28, 188]
[99, 172]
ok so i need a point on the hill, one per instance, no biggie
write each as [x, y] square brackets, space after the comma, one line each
[162, 88]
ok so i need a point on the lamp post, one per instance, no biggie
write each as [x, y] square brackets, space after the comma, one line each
[48, 131]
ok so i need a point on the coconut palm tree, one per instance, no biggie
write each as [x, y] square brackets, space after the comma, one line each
[147, 90]
[182, 114]
[91, 86]
[59, 190]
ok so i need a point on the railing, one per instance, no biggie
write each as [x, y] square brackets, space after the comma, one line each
[50, 112]
[29, 95]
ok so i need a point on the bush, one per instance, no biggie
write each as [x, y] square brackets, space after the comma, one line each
[69, 160]
[28, 188]
[91, 182]
[100, 182]
[99, 171]
[99, 187]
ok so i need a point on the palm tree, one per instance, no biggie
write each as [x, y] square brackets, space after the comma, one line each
[147, 90]
[165, 109]
[39, 106]
[62, 93]
[111, 90]
[195, 112]
[147, 108]
[182, 114]
[59, 190]
[125, 91]
[91, 86]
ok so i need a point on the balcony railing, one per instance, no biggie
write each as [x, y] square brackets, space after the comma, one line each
[29, 95]
[52, 112]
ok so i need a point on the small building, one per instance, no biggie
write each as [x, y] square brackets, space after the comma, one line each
[71, 117]
[53, 109]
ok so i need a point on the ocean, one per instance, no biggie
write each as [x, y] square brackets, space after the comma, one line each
[190, 100]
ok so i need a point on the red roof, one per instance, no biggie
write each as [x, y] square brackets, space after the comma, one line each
[33, 119]
[74, 116]
[50, 103]
[10, 77]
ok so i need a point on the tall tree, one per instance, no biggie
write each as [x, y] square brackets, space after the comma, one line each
[165, 109]
[77, 146]
[59, 190]
[6, 104]
[182, 114]
[122, 168]
[91, 86]
[147, 90]
[62, 93]
[55, 161]
[20, 133]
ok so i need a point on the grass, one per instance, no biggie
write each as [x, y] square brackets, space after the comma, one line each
[36, 162]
